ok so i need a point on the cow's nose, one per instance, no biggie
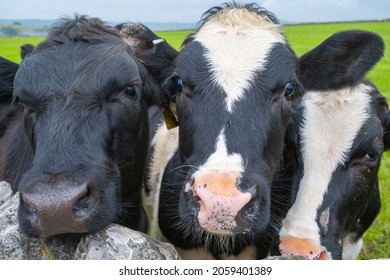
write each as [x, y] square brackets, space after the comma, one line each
[57, 204]
[220, 201]
[302, 247]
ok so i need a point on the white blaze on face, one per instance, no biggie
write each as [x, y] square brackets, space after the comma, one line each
[331, 122]
[215, 184]
[237, 44]
[220, 161]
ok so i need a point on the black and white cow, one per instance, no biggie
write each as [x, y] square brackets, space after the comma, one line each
[233, 86]
[222, 177]
[335, 140]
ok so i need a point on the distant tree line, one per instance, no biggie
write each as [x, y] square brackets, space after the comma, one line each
[17, 29]
[9, 31]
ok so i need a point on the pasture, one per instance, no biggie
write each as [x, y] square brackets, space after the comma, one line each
[302, 39]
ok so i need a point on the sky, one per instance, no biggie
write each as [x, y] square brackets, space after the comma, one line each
[182, 11]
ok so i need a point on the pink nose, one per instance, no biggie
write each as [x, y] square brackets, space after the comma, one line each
[302, 247]
[220, 201]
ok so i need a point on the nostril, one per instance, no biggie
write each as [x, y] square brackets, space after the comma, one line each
[30, 213]
[86, 204]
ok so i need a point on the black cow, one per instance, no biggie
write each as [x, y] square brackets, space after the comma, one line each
[335, 141]
[75, 141]
[25, 50]
[7, 74]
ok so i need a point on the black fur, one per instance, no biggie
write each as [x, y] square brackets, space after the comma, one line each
[152, 51]
[25, 50]
[341, 60]
[7, 74]
[80, 117]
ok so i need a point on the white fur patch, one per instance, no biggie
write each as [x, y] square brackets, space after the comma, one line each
[220, 161]
[331, 123]
[237, 44]
[351, 250]
[165, 143]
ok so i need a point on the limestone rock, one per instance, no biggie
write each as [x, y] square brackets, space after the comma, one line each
[120, 243]
[5, 192]
[113, 242]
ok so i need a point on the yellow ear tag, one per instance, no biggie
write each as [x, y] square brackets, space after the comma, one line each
[170, 116]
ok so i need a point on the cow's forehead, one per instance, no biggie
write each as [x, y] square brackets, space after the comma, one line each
[235, 48]
[89, 68]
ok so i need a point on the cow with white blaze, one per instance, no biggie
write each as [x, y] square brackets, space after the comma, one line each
[232, 86]
[335, 141]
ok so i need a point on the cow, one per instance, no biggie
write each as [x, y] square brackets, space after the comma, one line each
[221, 178]
[74, 141]
[7, 74]
[25, 50]
[232, 89]
[334, 141]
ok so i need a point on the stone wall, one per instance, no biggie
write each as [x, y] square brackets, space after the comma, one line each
[114, 242]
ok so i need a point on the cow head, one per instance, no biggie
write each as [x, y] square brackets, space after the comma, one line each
[232, 89]
[336, 140]
[84, 96]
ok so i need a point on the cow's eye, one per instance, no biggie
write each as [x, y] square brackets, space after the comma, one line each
[372, 155]
[16, 101]
[131, 91]
[178, 85]
[289, 89]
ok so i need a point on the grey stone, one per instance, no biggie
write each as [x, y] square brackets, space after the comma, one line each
[113, 242]
[5, 192]
[120, 243]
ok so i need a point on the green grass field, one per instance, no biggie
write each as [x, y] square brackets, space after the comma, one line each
[302, 39]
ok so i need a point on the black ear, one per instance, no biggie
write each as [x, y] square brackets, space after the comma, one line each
[386, 130]
[155, 57]
[154, 52]
[341, 60]
[171, 87]
[8, 71]
[381, 107]
[25, 50]
[150, 87]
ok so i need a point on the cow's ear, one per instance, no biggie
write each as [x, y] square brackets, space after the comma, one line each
[386, 131]
[150, 87]
[341, 60]
[141, 39]
[155, 57]
[154, 52]
[172, 86]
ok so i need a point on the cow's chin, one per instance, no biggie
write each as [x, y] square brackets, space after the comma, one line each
[222, 242]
